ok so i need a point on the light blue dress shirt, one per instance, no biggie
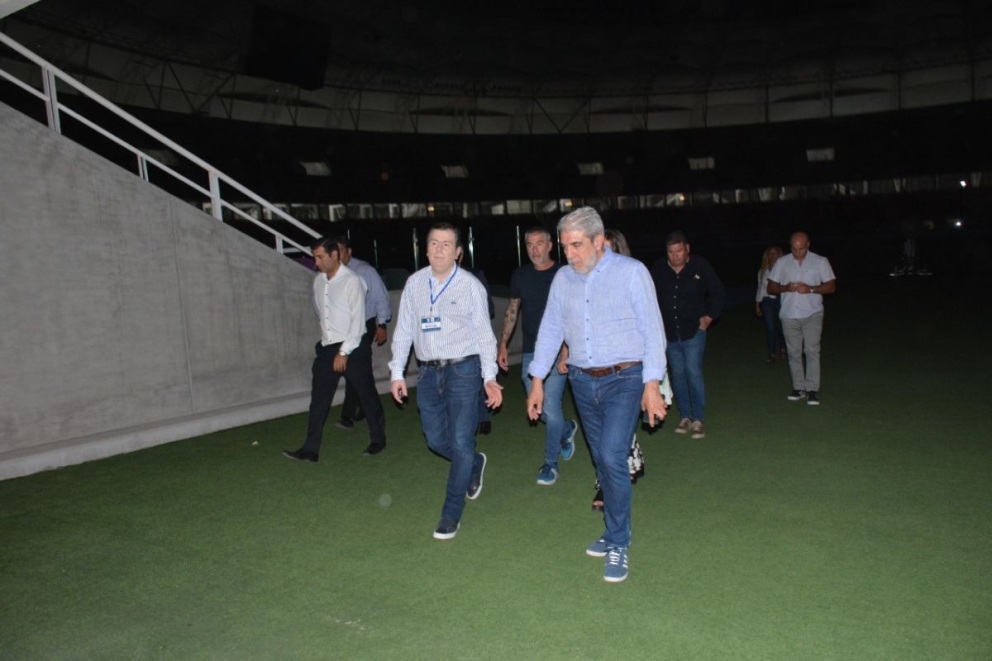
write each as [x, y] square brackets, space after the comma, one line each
[377, 298]
[606, 317]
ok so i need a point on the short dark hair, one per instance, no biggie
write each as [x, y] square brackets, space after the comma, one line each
[343, 240]
[328, 243]
[676, 237]
[447, 227]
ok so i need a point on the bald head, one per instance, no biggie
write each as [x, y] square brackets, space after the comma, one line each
[799, 243]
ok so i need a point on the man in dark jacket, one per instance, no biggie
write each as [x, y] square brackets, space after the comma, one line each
[690, 296]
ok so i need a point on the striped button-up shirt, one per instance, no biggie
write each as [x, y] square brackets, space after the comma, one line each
[463, 328]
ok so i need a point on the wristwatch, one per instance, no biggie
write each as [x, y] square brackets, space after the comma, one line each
[342, 353]
[382, 326]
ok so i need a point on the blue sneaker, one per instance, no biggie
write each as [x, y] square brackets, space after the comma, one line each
[615, 569]
[597, 549]
[568, 444]
[548, 475]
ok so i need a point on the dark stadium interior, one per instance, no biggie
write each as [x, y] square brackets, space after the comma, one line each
[933, 148]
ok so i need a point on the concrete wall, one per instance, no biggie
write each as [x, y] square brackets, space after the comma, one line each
[128, 318]
[125, 309]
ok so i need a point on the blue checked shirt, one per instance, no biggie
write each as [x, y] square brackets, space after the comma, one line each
[376, 298]
[465, 328]
[607, 317]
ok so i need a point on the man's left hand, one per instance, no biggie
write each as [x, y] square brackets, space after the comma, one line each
[705, 321]
[495, 394]
[380, 336]
[340, 363]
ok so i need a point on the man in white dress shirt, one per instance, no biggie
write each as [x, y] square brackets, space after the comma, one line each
[339, 301]
[444, 316]
[802, 279]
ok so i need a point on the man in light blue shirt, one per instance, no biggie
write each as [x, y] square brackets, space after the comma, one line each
[378, 311]
[605, 309]
[443, 315]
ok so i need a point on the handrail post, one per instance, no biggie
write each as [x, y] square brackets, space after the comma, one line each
[51, 99]
[280, 248]
[215, 207]
[142, 167]
[416, 251]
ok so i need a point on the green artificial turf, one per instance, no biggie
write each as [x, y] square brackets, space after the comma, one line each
[860, 529]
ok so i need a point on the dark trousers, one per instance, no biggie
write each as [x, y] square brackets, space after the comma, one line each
[351, 409]
[325, 383]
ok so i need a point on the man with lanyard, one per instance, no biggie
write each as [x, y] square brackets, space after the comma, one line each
[603, 308]
[690, 296]
[378, 311]
[339, 301]
[802, 279]
[443, 315]
[529, 287]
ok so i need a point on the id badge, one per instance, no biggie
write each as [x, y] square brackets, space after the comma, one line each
[430, 324]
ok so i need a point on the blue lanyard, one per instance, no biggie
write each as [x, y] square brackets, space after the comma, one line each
[430, 283]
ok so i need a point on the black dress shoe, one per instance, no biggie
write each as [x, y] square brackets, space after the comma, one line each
[485, 428]
[374, 449]
[300, 455]
[345, 423]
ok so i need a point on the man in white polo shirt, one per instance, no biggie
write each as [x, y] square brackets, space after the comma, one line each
[802, 279]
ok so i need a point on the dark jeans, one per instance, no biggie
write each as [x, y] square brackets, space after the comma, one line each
[485, 414]
[448, 399]
[351, 409]
[608, 407]
[685, 363]
[358, 372]
[773, 325]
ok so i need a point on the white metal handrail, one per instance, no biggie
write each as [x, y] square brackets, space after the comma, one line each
[50, 74]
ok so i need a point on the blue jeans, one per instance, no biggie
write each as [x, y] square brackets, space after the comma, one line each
[774, 338]
[551, 414]
[685, 360]
[448, 400]
[609, 408]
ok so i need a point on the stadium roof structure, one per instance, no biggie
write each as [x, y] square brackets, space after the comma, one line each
[514, 67]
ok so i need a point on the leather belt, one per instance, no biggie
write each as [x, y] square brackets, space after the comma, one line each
[598, 372]
[444, 362]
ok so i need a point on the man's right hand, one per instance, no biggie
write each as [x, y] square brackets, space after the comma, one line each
[398, 388]
[503, 357]
[535, 400]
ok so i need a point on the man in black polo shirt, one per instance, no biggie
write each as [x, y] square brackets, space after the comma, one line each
[529, 287]
[690, 296]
